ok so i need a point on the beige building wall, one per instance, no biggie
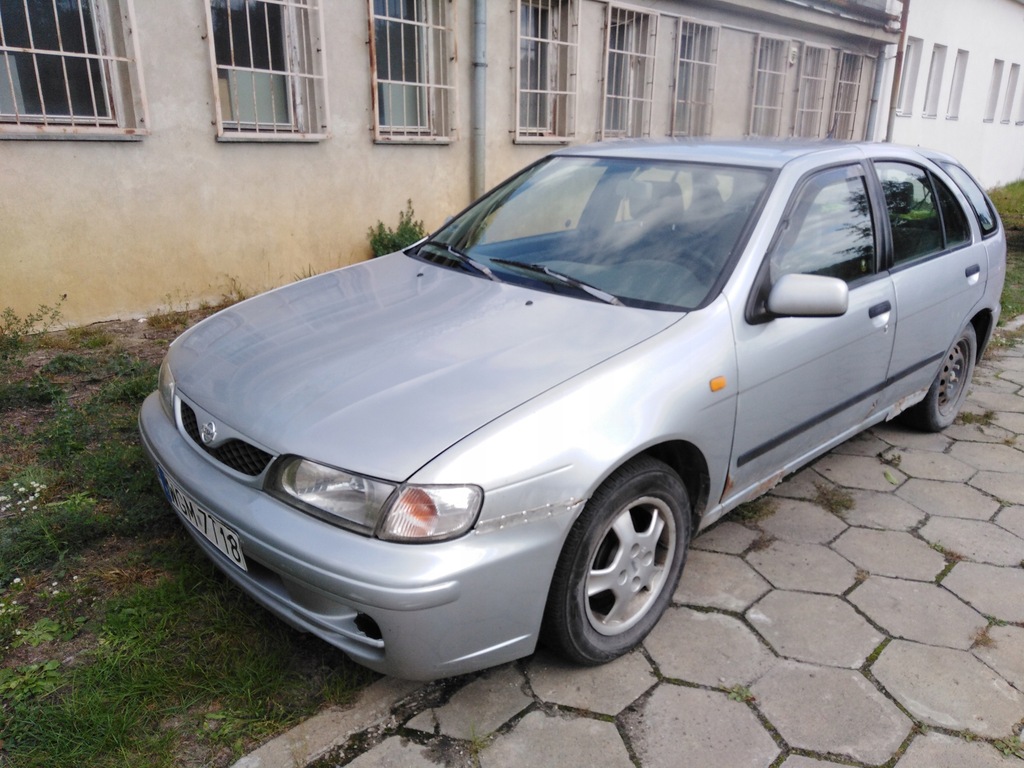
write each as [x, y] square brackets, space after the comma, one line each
[176, 218]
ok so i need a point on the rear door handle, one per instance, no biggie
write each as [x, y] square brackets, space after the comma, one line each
[973, 274]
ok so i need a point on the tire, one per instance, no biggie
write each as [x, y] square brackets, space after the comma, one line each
[620, 564]
[947, 393]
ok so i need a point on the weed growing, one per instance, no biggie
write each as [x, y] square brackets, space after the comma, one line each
[383, 239]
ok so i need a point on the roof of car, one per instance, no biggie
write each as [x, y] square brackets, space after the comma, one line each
[750, 152]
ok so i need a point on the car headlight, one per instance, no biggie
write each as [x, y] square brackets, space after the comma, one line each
[431, 512]
[165, 384]
[339, 497]
[411, 513]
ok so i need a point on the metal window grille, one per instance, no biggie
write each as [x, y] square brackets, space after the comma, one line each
[268, 69]
[546, 96]
[69, 68]
[811, 93]
[695, 79]
[769, 85]
[847, 96]
[630, 47]
[412, 50]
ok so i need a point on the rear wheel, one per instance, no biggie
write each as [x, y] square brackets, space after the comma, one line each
[620, 565]
[947, 393]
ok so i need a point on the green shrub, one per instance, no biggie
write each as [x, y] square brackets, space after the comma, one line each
[384, 240]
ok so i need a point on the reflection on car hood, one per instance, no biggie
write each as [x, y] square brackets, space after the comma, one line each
[380, 367]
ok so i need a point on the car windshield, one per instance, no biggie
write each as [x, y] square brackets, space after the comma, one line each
[646, 233]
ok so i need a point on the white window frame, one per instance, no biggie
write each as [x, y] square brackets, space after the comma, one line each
[413, 81]
[630, 45]
[994, 87]
[771, 62]
[846, 98]
[1011, 93]
[933, 89]
[696, 69]
[547, 54]
[813, 85]
[95, 88]
[258, 98]
[956, 86]
[908, 78]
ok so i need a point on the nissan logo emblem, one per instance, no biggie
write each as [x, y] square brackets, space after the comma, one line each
[208, 433]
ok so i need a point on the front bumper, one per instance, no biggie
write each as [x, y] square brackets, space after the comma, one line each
[434, 610]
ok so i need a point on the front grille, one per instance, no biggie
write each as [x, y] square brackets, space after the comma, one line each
[237, 454]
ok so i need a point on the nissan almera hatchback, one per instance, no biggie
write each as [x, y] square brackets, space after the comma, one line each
[511, 430]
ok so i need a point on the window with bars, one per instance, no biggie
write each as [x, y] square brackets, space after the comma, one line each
[769, 86]
[811, 92]
[268, 69]
[546, 96]
[412, 51]
[69, 68]
[695, 79]
[847, 95]
[629, 72]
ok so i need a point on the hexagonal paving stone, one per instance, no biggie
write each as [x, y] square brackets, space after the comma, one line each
[949, 689]
[994, 458]
[814, 628]
[899, 436]
[1012, 519]
[799, 761]
[1005, 653]
[803, 567]
[991, 589]
[999, 401]
[925, 465]
[1011, 422]
[886, 511]
[542, 740]
[607, 689]
[975, 540]
[703, 727]
[727, 537]
[707, 648]
[830, 710]
[1006, 486]
[863, 444]
[917, 610]
[948, 499]
[802, 485]
[890, 553]
[864, 472]
[980, 433]
[796, 520]
[937, 750]
[480, 708]
[719, 581]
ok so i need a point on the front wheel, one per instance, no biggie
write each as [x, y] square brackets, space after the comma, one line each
[949, 390]
[620, 565]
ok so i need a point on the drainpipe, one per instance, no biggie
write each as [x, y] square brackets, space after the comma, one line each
[897, 74]
[478, 105]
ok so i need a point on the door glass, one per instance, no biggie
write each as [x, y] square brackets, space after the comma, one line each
[913, 214]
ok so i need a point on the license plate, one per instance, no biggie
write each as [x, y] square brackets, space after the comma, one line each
[218, 534]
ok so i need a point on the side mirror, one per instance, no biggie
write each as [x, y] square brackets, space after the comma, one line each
[808, 296]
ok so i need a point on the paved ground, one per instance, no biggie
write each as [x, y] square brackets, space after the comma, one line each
[874, 616]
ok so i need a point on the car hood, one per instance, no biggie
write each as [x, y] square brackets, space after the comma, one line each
[379, 367]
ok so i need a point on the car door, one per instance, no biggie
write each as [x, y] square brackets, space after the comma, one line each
[804, 381]
[939, 271]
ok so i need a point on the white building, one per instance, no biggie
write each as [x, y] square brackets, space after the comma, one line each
[961, 88]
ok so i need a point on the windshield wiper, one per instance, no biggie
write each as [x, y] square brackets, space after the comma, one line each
[463, 259]
[597, 293]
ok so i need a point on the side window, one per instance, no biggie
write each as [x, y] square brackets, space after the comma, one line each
[828, 230]
[913, 213]
[954, 220]
[979, 202]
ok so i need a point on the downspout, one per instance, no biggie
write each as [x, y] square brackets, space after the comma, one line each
[478, 105]
[897, 74]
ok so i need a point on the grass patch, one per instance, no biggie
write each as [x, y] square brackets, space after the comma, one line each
[1009, 201]
[120, 644]
[756, 510]
[833, 499]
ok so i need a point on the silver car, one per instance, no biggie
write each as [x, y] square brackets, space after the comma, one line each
[510, 431]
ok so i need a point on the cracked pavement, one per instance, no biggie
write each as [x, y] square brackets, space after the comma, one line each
[868, 612]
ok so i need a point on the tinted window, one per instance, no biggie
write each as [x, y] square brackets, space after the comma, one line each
[954, 220]
[913, 212]
[828, 230]
[979, 201]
